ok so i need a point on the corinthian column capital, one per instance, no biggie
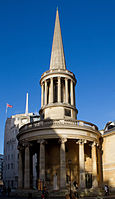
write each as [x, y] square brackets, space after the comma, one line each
[94, 144]
[27, 144]
[20, 147]
[41, 141]
[81, 141]
[62, 140]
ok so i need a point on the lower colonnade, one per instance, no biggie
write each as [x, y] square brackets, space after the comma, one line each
[56, 162]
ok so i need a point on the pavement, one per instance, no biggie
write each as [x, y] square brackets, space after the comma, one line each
[6, 197]
[10, 197]
[98, 197]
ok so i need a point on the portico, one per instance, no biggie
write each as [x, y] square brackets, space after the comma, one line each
[53, 152]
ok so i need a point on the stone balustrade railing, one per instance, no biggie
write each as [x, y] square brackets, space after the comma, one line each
[58, 122]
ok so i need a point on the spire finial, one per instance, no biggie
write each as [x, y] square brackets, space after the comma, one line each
[26, 111]
[57, 55]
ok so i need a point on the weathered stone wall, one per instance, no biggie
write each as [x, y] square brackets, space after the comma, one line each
[88, 159]
[72, 153]
[52, 161]
[109, 158]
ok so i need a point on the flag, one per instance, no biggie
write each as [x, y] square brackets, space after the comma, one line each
[10, 106]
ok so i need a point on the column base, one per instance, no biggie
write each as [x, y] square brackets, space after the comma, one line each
[82, 180]
[95, 183]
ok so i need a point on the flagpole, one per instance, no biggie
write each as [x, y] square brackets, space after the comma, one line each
[6, 110]
[8, 106]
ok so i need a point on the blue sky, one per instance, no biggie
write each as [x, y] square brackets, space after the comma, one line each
[88, 31]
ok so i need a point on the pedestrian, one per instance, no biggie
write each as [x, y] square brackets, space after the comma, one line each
[76, 188]
[45, 194]
[106, 190]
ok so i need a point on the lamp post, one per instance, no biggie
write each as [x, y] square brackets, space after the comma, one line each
[69, 163]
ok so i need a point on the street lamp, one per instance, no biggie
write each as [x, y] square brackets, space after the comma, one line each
[69, 163]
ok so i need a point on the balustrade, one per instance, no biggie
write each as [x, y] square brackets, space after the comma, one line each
[58, 122]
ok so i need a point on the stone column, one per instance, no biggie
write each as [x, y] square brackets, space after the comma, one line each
[99, 165]
[72, 94]
[45, 92]
[42, 160]
[94, 166]
[62, 163]
[81, 164]
[51, 90]
[42, 96]
[27, 167]
[59, 89]
[66, 90]
[20, 169]
[34, 170]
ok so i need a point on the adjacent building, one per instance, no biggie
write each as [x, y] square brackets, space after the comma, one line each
[1, 170]
[10, 172]
[109, 154]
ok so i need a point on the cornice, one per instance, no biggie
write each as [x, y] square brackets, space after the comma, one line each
[58, 72]
[109, 133]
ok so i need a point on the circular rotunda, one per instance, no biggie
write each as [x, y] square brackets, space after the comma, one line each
[59, 148]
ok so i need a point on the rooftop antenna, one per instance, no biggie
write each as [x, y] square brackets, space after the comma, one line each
[26, 111]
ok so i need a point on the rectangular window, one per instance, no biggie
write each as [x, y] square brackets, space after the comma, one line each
[12, 156]
[88, 180]
[8, 157]
[12, 183]
[8, 166]
[12, 165]
[67, 112]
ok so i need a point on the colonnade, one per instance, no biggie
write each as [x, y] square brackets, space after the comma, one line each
[24, 178]
[65, 91]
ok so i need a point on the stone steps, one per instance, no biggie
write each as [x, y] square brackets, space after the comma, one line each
[87, 194]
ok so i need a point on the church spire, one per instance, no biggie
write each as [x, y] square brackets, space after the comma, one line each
[57, 55]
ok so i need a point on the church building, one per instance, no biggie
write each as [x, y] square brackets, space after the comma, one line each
[65, 149]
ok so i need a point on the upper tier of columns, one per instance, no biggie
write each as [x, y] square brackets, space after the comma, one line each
[58, 89]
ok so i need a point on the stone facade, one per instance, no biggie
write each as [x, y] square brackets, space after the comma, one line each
[66, 149]
[10, 172]
[109, 155]
[1, 170]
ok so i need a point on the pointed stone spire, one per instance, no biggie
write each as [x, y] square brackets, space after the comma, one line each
[57, 55]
